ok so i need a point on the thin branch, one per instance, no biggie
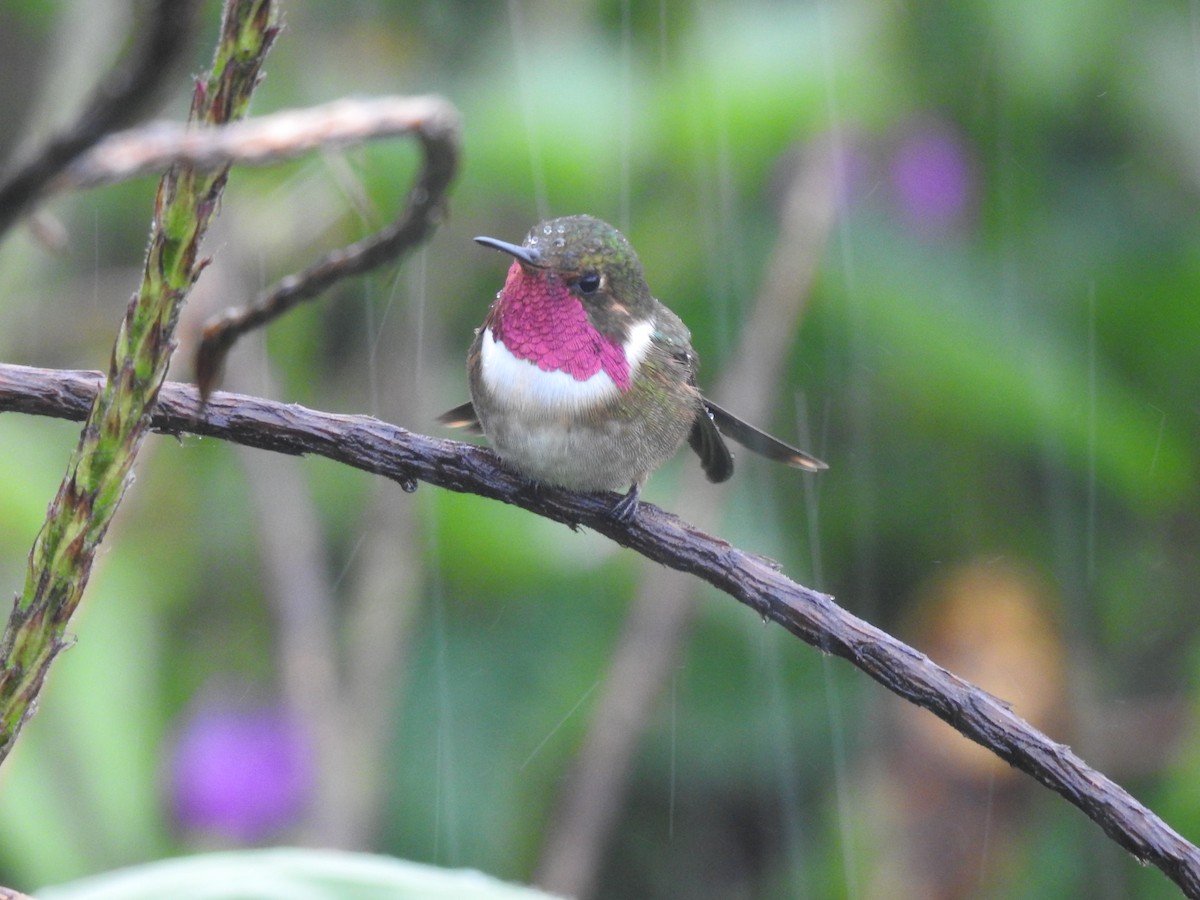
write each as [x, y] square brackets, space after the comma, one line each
[435, 124]
[384, 592]
[119, 100]
[298, 586]
[406, 457]
[592, 794]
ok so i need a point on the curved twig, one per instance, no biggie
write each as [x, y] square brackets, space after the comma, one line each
[435, 124]
[274, 138]
[406, 457]
[264, 140]
[120, 99]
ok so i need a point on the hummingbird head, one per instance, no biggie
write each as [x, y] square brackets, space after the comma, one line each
[585, 258]
[575, 300]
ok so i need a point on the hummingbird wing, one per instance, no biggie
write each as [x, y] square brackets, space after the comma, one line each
[674, 338]
[759, 441]
[462, 417]
[715, 458]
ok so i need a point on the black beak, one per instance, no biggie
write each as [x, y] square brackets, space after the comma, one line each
[524, 254]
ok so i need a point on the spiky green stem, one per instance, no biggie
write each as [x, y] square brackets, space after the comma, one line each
[99, 469]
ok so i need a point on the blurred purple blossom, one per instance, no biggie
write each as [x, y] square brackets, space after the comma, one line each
[933, 176]
[241, 772]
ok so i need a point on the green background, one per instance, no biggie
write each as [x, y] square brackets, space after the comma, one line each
[1012, 393]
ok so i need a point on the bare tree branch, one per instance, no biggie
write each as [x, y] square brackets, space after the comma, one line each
[119, 100]
[406, 457]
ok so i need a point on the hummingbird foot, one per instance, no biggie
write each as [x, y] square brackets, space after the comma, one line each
[626, 508]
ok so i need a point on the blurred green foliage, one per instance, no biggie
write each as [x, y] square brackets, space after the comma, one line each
[1016, 380]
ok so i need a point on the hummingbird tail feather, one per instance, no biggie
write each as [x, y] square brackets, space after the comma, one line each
[462, 417]
[760, 442]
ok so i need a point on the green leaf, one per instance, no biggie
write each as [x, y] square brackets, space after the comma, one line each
[294, 874]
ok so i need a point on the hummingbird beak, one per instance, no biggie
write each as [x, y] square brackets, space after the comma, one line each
[524, 254]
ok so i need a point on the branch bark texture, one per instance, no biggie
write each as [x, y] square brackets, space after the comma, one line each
[406, 457]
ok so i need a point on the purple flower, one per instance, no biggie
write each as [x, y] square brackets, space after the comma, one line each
[933, 177]
[241, 772]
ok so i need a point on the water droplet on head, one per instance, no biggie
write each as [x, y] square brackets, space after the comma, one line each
[546, 230]
[559, 243]
[561, 229]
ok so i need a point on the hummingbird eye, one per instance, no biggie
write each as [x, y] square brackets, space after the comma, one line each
[588, 283]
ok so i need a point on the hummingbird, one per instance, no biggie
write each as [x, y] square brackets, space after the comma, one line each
[580, 378]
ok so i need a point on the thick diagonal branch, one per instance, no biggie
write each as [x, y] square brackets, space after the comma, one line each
[406, 457]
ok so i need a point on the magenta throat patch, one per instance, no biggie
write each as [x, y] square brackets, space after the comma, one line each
[542, 321]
